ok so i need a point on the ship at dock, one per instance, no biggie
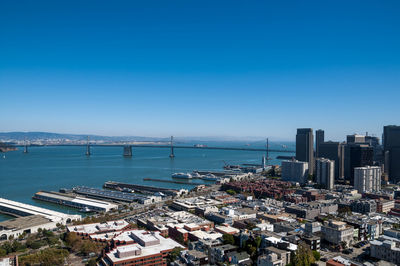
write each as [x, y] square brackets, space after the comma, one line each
[182, 175]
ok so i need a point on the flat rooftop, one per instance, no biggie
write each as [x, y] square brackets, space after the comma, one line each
[34, 210]
[23, 222]
[80, 200]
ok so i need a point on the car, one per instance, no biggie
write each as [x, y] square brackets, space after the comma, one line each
[324, 259]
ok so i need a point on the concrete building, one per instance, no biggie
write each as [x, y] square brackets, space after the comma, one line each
[295, 171]
[386, 249]
[150, 248]
[305, 147]
[283, 255]
[355, 138]
[270, 260]
[391, 147]
[312, 210]
[319, 139]
[325, 172]
[334, 151]
[384, 206]
[363, 206]
[336, 232]
[367, 179]
[312, 228]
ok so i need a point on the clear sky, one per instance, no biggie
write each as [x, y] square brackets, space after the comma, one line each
[199, 68]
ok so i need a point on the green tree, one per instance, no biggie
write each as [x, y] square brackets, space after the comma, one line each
[231, 192]
[316, 255]
[257, 240]
[228, 239]
[303, 255]
[173, 255]
[3, 252]
[91, 262]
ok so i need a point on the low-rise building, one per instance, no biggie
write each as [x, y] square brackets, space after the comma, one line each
[384, 206]
[149, 249]
[336, 232]
[364, 206]
[386, 249]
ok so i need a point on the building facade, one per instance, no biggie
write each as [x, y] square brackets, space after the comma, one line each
[334, 151]
[391, 147]
[305, 147]
[336, 232]
[367, 179]
[319, 139]
[295, 171]
[325, 172]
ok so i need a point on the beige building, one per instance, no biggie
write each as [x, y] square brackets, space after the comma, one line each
[336, 232]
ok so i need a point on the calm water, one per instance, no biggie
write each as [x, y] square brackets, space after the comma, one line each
[55, 167]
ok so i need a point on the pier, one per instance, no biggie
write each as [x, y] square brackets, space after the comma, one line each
[145, 189]
[173, 181]
[19, 209]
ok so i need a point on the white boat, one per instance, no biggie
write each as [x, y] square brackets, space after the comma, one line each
[210, 177]
[86, 210]
[182, 175]
[196, 174]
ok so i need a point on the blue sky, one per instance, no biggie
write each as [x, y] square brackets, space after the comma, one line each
[199, 68]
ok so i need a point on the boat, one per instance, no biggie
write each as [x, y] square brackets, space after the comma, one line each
[85, 210]
[182, 175]
[210, 177]
[196, 174]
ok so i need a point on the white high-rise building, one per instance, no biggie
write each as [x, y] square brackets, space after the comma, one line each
[295, 171]
[325, 172]
[367, 179]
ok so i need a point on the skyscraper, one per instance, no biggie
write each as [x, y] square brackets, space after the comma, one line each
[325, 172]
[305, 147]
[357, 155]
[391, 147]
[334, 151]
[319, 138]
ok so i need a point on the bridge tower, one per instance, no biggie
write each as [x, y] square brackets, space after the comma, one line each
[128, 151]
[267, 158]
[172, 155]
[88, 147]
[25, 147]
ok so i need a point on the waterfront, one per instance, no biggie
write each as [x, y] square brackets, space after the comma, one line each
[55, 167]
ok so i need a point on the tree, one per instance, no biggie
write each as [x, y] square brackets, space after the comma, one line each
[3, 252]
[316, 255]
[343, 244]
[303, 255]
[257, 240]
[173, 255]
[228, 239]
[231, 192]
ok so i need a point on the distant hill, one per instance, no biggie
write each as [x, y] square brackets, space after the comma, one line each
[31, 136]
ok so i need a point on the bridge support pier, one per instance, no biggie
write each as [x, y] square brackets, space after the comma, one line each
[128, 151]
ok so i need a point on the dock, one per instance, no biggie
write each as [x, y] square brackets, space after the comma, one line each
[19, 209]
[172, 181]
[142, 188]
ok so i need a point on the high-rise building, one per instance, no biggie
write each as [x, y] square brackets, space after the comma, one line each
[357, 155]
[295, 171]
[355, 138]
[305, 147]
[367, 179]
[391, 147]
[319, 138]
[334, 151]
[325, 172]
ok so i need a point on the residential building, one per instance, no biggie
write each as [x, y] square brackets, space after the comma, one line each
[312, 228]
[386, 249]
[334, 151]
[325, 172]
[363, 206]
[282, 254]
[391, 147]
[384, 206]
[305, 147]
[319, 138]
[269, 260]
[367, 179]
[295, 171]
[336, 232]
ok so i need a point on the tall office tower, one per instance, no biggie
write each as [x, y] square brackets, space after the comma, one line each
[391, 147]
[295, 171]
[367, 179]
[334, 151]
[325, 172]
[356, 155]
[355, 138]
[319, 138]
[305, 147]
